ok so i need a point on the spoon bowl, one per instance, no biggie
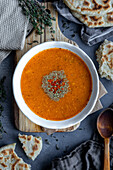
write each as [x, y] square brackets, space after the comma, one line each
[105, 123]
[105, 128]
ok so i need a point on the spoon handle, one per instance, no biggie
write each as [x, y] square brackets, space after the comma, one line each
[106, 155]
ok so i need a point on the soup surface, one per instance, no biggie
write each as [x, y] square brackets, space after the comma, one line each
[79, 81]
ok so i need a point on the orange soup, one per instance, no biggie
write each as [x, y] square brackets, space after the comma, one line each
[79, 82]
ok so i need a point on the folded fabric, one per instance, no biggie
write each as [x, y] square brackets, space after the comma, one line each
[90, 36]
[87, 156]
[13, 27]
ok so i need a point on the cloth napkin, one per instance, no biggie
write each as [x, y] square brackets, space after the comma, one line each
[13, 27]
[90, 36]
[87, 156]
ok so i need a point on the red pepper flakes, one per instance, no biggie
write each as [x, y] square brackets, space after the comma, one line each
[55, 85]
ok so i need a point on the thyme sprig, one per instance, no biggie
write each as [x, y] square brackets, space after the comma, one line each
[38, 15]
[2, 99]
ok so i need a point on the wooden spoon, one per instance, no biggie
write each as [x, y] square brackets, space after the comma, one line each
[105, 128]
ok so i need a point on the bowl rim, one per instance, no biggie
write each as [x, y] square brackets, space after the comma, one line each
[48, 123]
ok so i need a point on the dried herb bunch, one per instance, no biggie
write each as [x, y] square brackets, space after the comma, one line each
[37, 14]
[2, 99]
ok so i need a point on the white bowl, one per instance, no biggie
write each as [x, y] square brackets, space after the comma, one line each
[25, 109]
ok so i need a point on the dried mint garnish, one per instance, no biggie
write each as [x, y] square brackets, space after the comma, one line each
[55, 85]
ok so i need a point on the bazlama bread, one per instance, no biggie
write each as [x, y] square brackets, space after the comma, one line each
[95, 21]
[31, 145]
[90, 7]
[105, 59]
[9, 159]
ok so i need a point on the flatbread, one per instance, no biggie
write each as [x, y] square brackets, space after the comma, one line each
[90, 7]
[31, 145]
[9, 159]
[95, 21]
[105, 59]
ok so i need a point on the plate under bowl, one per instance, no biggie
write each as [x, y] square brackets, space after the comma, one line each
[25, 109]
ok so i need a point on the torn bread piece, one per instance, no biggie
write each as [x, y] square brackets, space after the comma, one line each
[105, 59]
[9, 159]
[31, 145]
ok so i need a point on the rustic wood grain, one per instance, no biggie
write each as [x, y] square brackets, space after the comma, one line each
[21, 121]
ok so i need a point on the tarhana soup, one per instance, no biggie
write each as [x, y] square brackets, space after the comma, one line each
[56, 84]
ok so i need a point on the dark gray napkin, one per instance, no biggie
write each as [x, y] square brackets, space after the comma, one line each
[87, 156]
[90, 36]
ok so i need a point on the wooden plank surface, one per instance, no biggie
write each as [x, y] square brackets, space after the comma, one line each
[21, 121]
